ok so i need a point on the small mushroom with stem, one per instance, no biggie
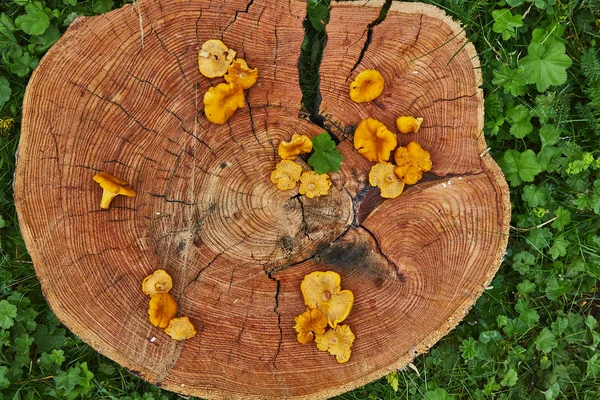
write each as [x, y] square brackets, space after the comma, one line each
[112, 186]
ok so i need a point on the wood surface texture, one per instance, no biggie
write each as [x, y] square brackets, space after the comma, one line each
[121, 93]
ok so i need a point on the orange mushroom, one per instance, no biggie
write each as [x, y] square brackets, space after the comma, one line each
[163, 309]
[159, 282]
[286, 174]
[221, 101]
[407, 124]
[321, 290]
[411, 162]
[367, 86]
[337, 341]
[374, 140]
[382, 176]
[314, 185]
[180, 328]
[214, 58]
[300, 144]
[310, 323]
[112, 186]
[239, 72]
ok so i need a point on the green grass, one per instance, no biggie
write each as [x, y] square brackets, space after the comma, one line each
[533, 336]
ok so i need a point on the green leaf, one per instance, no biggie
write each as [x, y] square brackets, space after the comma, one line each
[535, 195]
[591, 322]
[593, 366]
[4, 382]
[526, 287]
[318, 14]
[5, 91]
[520, 118]
[522, 261]
[68, 380]
[70, 2]
[102, 6]
[8, 312]
[526, 314]
[559, 247]
[511, 80]
[519, 167]
[437, 394]
[392, 380]
[325, 157]
[545, 64]
[549, 135]
[546, 341]
[556, 288]
[47, 340]
[563, 218]
[468, 348]
[547, 156]
[510, 378]
[506, 23]
[553, 392]
[35, 21]
[539, 238]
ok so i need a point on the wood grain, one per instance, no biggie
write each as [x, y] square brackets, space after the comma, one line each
[121, 93]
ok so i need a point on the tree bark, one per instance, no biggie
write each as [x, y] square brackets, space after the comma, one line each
[121, 93]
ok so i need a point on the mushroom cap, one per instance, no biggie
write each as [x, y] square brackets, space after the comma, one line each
[286, 174]
[337, 341]
[240, 73]
[300, 144]
[383, 176]
[214, 58]
[411, 162]
[322, 290]
[310, 323]
[374, 140]
[367, 86]
[162, 309]
[221, 101]
[406, 124]
[180, 328]
[113, 184]
[314, 185]
[159, 282]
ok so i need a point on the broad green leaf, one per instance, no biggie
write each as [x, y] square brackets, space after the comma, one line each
[45, 40]
[563, 218]
[325, 157]
[535, 195]
[522, 261]
[510, 379]
[539, 238]
[8, 312]
[35, 21]
[546, 341]
[4, 382]
[591, 322]
[556, 288]
[102, 6]
[511, 80]
[547, 157]
[526, 314]
[506, 23]
[545, 64]
[520, 167]
[549, 135]
[593, 366]
[526, 287]
[559, 247]
[487, 336]
[47, 340]
[318, 14]
[468, 348]
[437, 394]
[68, 380]
[519, 118]
[553, 392]
[5, 91]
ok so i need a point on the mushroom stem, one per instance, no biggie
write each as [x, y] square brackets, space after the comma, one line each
[107, 197]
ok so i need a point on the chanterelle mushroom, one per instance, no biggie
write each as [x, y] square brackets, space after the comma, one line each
[180, 329]
[221, 101]
[286, 174]
[337, 342]
[240, 73]
[162, 309]
[406, 124]
[310, 323]
[159, 282]
[322, 290]
[412, 161]
[214, 58]
[300, 144]
[374, 141]
[367, 86]
[313, 184]
[112, 186]
[382, 175]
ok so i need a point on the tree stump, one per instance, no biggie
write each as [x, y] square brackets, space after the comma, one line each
[121, 93]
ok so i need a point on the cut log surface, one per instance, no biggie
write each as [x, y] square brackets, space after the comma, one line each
[121, 93]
